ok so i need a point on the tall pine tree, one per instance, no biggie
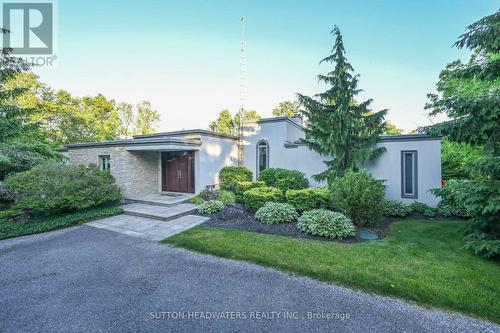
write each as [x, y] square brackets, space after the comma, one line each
[338, 126]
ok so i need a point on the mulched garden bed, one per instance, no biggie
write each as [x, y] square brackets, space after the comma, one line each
[236, 217]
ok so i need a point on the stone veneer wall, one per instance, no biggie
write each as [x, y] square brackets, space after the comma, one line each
[137, 173]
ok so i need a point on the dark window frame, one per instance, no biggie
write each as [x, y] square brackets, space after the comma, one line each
[258, 156]
[404, 194]
[102, 159]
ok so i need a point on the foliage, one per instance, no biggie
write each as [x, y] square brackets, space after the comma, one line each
[360, 197]
[468, 94]
[450, 204]
[418, 207]
[454, 158]
[226, 197]
[5, 194]
[21, 155]
[309, 198]
[416, 261]
[392, 129]
[276, 212]
[13, 119]
[60, 188]
[42, 224]
[242, 187]
[197, 199]
[339, 127]
[61, 118]
[287, 108]
[211, 207]
[228, 124]
[396, 208]
[257, 197]
[230, 176]
[284, 179]
[322, 222]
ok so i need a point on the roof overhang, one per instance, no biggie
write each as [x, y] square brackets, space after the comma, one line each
[159, 144]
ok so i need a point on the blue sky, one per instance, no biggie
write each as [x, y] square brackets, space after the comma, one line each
[183, 56]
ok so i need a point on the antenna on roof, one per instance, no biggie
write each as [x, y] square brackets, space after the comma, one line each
[242, 92]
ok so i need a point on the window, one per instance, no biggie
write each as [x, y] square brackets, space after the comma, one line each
[409, 185]
[262, 156]
[104, 162]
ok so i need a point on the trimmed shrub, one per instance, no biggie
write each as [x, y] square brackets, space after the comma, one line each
[257, 197]
[211, 207]
[276, 212]
[226, 197]
[309, 198]
[242, 187]
[229, 176]
[396, 208]
[360, 197]
[59, 188]
[322, 222]
[284, 179]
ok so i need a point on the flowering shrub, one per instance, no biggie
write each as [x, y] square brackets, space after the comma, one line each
[275, 212]
[322, 222]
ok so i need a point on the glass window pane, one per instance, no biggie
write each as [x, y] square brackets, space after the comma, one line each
[408, 173]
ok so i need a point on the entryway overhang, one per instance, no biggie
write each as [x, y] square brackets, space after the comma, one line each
[164, 145]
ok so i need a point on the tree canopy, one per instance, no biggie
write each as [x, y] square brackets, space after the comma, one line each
[338, 125]
[229, 124]
[287, 108]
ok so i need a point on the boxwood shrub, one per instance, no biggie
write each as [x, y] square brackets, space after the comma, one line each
[242, 187]
[257, 197]
[276, 212]
[226, 197]
[396, 208]
[322, 222]
[359, 196]
[211, 207]
[60, 188]
[309, 198]
[229, 176]
[284, 179]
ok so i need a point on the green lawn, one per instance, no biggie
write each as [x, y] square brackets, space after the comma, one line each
[422, 261]
[42, 224]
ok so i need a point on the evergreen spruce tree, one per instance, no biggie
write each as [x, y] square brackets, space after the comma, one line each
[338, 126]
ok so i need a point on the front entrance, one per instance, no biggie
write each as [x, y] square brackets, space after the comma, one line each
[178, 171]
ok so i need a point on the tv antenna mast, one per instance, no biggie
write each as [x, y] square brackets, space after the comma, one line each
[242, 92]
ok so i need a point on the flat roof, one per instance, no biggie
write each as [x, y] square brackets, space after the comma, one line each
[135, 142]
[184, 132]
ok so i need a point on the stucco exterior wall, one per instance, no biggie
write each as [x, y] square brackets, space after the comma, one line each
[387, 167]
[136, 173]
[214, 154]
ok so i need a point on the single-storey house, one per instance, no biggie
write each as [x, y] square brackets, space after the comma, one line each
[190, 160]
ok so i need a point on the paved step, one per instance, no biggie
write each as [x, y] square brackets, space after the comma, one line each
[151, 229]
[159, 212]
[160, 199]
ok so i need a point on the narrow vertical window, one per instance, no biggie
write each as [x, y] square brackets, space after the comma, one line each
[262, 156]
[104, 162]
[409, 179]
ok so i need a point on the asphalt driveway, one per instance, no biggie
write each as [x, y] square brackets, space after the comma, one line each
[85, 279]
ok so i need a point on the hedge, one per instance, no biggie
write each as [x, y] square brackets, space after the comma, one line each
[309, 198]
[257, 197]
[284, 179]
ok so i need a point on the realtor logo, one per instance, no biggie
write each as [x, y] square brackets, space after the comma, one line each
[31, 26]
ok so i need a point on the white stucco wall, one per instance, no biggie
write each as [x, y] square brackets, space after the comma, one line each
[387, 167]
[214, 154]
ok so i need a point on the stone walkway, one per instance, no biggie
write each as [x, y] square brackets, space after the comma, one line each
[147, 228]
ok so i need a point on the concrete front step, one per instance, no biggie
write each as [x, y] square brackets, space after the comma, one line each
[159, 212]
[159, 199]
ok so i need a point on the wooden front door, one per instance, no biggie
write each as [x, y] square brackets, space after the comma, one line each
[178, 172]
